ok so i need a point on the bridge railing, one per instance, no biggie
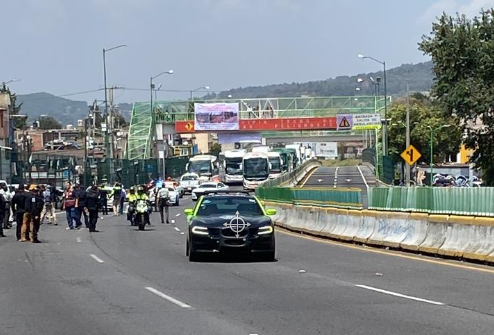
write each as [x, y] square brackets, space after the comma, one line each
[475, 201]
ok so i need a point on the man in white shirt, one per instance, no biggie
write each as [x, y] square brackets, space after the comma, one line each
[4, 190]
[163, 203]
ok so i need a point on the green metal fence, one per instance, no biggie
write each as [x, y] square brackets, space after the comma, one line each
[335, 197]
[477, 201]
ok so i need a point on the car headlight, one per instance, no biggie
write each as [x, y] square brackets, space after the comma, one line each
[265, 230]
[200, 230]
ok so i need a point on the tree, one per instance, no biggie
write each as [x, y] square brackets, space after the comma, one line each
[461, 50]
[423, 115]
[215, 149]
[49, 122]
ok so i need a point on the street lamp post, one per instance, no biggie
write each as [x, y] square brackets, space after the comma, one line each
[108, 155]
[151, 88]
[385, 127]
[433, 131]
[197, 89]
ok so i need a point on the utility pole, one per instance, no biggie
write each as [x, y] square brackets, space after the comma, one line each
[407, 167]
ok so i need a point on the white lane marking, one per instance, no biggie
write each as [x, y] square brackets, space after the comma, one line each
[167, 297]
[96, 258]
[363, 178]
[176, 228]
[177, 215]
[400, 295]
[79, 240]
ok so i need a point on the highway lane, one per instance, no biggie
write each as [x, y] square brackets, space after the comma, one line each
[345, 176]
[311, 289]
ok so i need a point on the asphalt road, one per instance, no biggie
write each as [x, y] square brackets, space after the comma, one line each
[122, 281]
[345, 176]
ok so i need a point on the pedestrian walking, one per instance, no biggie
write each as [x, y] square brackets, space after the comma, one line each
[2, 213]
[164, 203]
[115, 194]
[19, 208]
[31, 220]
[50, 195]
[103, 198]
[68, 205]
[123, 196]
[92, 206]
[80, 204]
[4, 191]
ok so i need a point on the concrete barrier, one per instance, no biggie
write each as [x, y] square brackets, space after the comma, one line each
[419, 223]
[466, 237]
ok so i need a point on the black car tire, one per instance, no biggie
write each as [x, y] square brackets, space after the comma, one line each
[193, 256]
[269, 256]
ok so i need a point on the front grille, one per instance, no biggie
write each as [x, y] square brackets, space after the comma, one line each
[227, 232]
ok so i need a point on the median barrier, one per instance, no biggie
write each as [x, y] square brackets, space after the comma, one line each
[470, 238]
[435, 235]
[458, 232]
[418, 222]
[481, 246]
[367, 226]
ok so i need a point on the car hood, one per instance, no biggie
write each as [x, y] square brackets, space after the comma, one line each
[218, 221]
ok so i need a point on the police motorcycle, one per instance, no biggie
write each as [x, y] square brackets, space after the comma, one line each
[141, 210]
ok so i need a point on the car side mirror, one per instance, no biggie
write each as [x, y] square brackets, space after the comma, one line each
[189, 211]
[270, 211]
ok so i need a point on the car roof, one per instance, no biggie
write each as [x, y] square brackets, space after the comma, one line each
[229, 194]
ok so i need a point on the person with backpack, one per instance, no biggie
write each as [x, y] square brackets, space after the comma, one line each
[31, 221]
[116, 192]
[80, 204]
[69, 206]
[92, 206]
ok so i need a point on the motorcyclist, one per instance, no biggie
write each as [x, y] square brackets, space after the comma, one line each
[131, 198]
[142, 196]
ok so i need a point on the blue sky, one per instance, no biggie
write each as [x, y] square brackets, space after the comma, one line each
[56, 45]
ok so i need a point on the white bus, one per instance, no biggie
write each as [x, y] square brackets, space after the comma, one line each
[231, 169]
[255, 169]
[275, 164]
[203, 165]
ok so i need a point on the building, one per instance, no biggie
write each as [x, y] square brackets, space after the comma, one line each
[5, 132]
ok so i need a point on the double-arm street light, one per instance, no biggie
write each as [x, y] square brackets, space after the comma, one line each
[108, 154]
[197, 89]
[385, 127]
[151, 85]
[433, 131]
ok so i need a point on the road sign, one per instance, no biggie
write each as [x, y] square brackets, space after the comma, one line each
[366, 121]
[344, 121]
[411, 155]
[189, 126]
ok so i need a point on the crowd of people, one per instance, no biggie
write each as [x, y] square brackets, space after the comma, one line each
[32, 205]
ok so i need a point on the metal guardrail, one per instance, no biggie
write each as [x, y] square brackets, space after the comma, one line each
[476, 201]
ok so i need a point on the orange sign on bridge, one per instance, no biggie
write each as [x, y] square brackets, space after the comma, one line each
[303, 123]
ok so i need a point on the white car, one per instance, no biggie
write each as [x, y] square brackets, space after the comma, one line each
[189, 182]
[174, 196]
[208, 187]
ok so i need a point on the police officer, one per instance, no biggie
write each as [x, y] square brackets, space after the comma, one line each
[92, 206]
[19, 208]
[131, 199]
[141, 195]
[163, 203]
[34, 203]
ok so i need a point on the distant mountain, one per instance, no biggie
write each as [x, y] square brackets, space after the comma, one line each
[418, 76]
[64, 110]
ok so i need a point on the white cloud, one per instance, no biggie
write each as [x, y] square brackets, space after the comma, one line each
[451, 7]
[473, 8]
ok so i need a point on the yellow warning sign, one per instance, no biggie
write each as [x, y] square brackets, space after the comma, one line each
[189, 126]
[344, 123]
[411, 155]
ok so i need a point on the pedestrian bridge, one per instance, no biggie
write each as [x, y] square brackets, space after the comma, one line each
[260, 114]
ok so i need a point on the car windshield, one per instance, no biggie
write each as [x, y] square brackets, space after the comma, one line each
[187, 178]
[245, 206]
[207, 186]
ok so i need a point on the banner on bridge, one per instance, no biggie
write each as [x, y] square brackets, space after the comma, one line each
[216, 116]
